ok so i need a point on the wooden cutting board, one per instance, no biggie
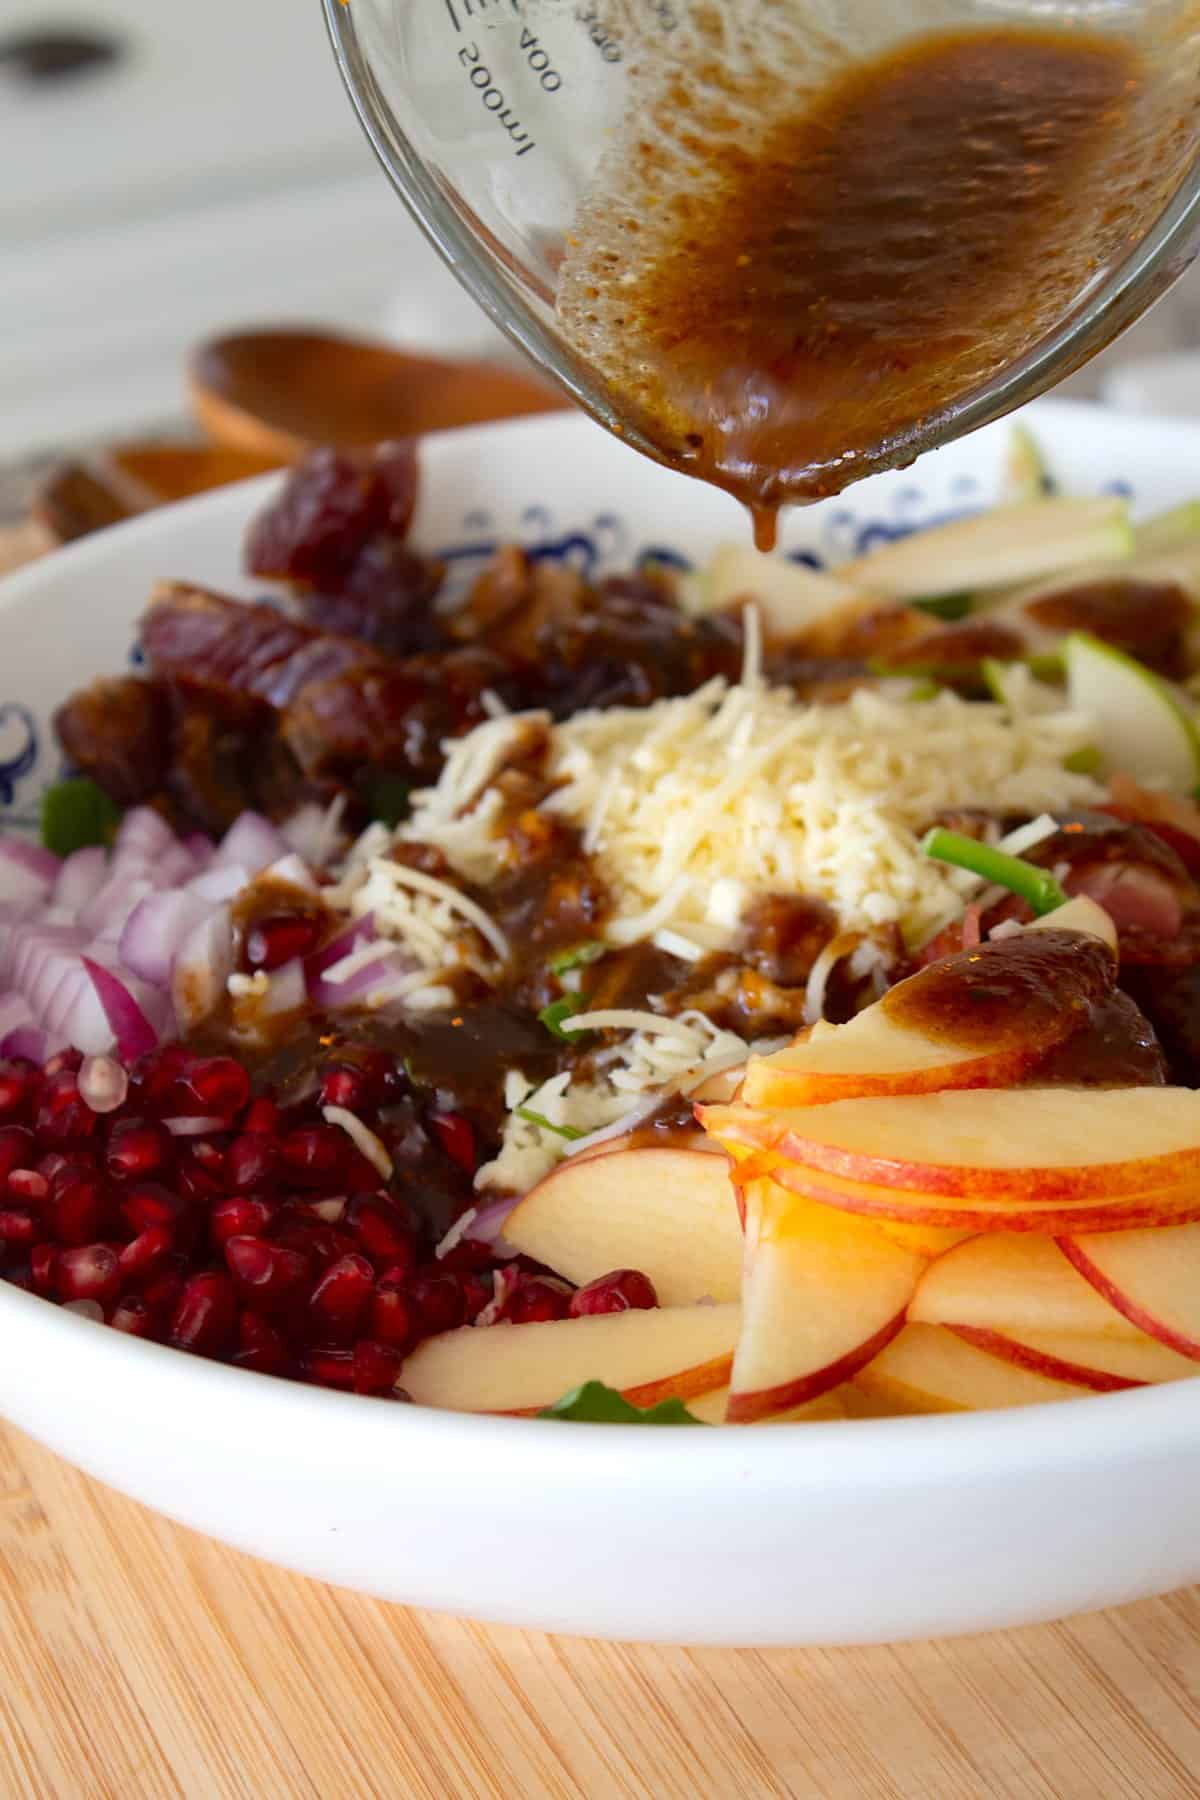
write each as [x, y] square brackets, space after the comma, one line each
[138, 1660]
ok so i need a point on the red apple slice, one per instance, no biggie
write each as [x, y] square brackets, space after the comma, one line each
[967, 1214]
[928, 1369]
[678, 1351]
[1103, 1364]
[710, 1409]
[821, 1295]
[1016, 1285]
[669, 1212]
[982, 1018]
[1027, 1144]
[1151, 1277]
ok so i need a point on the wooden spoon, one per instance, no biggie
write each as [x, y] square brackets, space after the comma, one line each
[280, 392]
[87, 493]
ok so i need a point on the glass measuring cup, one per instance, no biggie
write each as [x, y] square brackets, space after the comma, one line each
[520, 131]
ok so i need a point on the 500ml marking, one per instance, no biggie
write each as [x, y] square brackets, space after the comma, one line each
[480, 75]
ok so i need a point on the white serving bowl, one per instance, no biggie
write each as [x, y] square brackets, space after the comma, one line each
[823, 1533]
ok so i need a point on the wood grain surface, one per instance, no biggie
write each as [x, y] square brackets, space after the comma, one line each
[138, 1660]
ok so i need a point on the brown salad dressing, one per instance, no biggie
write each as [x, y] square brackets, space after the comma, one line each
[925, 220]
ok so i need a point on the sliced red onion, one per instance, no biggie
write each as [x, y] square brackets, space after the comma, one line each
[27, 872]
[486, 1225]
[185, 1127]
[202, 968]
[361, 932]
[76, 1011]
[375, 980]
[133, 1031]
[143, 834]
[314, 832]
[221, 882]
[27, 1041]
[14, 1013]
[199, 848]
[103, 1083]
[82, 876]
[176, 864]
[156, 930]
[251, 842]
[106, 912]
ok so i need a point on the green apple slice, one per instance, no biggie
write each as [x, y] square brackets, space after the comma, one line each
[1176, 529]
[1026, 476]
[997, 549]
[1144, 726]
[791, 598]
[1015, 686]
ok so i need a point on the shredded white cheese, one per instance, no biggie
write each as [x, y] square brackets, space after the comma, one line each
[694, 805]
[661, 1055]
[362, 1137]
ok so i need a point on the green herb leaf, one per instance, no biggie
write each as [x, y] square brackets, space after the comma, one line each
[577, 958]
[950, 607]
[1084, 761]
[76, 813]
[387, 799]
[1025, 879]
[537, 1118]
[925, 689]
[595, 1404]
[554, 1017]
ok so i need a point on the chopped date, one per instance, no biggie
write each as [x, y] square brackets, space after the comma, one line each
[118, 731]
[332, 505]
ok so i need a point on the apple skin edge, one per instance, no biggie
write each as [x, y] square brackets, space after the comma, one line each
[1099, 1381]
[1126, 1305]
[748, 1408]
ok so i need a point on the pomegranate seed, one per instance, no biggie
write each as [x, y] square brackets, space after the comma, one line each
[341, 1295]
[90, 1272]
[238, 1217]
[251, 1162]
[138, 1150]
[314, 1155]
[60, 1162]
[330, 1368]
[383, 1231]
[275, 940]
[440, 1303]
[268, 1274]
[76, 1206]
[536, 1299]
[468, 1256]
[144, 1254]
[205, 1317]
[215, 1085]
[19, 1084]
[261, 1347]
[162, 1294]
[346, 1087]
[153, 1077]
[16, 1149]
[133, 1316]
[196, 1184]
[262, 1117]
[17, 1229]
[149, 1203]
[394, 1318]
[63, 1115]
[66, 1061]
[624, 1290]
[208, 1156]
[323, 1243]
[457, 1139]
[42, 1259]
[376, 1367]
[27, 1185]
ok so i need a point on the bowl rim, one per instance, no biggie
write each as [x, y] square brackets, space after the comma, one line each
[1126, 1425]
